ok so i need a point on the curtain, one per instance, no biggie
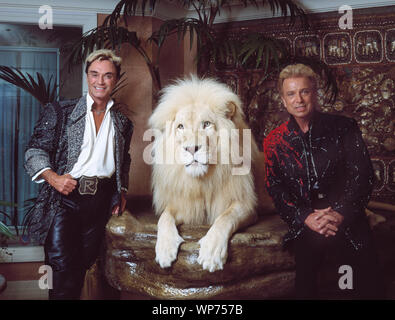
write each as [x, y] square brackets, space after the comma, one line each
[19, 113]
[8, 108]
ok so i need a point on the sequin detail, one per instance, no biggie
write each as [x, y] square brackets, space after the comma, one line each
[56, 143]
[329, 162]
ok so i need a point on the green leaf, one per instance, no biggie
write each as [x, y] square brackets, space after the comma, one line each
[37, 88]
[101, 37]
[6, 231]
[8, 204]
[128, 8]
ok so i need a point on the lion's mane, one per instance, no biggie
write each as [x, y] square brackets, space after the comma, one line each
[199, 200]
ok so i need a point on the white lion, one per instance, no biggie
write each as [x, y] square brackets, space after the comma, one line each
[202, 152]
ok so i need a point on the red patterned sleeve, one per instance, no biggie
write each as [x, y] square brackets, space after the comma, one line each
[291, 208]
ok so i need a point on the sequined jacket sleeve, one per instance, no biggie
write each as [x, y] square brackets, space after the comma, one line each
[292, 208]
[359, 175]
[126, 156]
[43, 142]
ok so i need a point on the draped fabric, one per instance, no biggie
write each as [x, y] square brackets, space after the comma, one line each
[19, 113]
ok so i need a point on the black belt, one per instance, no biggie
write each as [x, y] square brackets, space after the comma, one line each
[89, 185]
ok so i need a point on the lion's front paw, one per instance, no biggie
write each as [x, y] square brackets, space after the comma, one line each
[166, 249]
[213, 251]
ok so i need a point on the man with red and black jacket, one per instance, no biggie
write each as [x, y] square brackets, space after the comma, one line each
[320, 177]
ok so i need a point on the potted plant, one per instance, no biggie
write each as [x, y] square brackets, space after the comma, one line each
[5, 234]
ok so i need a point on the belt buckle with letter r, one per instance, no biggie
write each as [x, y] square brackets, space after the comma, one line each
[88, 185]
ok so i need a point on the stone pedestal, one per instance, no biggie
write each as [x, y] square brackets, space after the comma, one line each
[257, 267]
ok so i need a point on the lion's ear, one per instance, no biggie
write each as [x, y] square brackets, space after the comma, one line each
[231, 109]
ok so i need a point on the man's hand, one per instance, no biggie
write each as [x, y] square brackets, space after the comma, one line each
[118, 209]
[331, 221]
[318, 220]
[324, 221]
[65, 184]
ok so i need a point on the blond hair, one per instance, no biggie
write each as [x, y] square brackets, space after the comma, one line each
[296, 71]
[104, 54]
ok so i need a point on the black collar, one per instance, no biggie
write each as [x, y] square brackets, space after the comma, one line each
[315, 124]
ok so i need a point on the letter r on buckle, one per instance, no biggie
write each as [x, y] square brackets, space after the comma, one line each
[88, 185]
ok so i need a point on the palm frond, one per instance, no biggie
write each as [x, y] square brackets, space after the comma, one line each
[122, 82]
[28, 215]
[8, 204]
[109, 37]
[222, 50]
[180, 27]
[39, 89]
[265, 51]
[128, 8]
[287, 8]
[5, 230]
[27, 207]
[101, 37]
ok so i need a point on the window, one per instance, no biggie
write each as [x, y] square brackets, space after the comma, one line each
[19, 112]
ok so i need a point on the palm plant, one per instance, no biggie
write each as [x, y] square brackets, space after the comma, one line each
[39, 89]
[44, 93]
[210, 46]
[5, 232]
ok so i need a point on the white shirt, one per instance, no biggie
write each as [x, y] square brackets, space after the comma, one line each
[97, 151]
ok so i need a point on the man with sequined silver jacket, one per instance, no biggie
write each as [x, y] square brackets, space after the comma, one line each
[320, 177]
[62, 143]
[79, 151]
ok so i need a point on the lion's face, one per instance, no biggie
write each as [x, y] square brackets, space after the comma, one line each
[199, 132]
[196, 135]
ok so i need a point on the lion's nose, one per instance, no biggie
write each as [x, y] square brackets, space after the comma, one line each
[192, 149]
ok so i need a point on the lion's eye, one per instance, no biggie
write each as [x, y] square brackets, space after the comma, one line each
[180, 126]
[206, 124]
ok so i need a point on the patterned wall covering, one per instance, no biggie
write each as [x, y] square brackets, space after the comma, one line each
[363, 59]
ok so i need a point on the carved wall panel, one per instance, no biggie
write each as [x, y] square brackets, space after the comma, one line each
[337, 48]
[363, 60]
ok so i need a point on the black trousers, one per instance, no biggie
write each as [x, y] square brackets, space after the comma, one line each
[74, 239]
[314, 252]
